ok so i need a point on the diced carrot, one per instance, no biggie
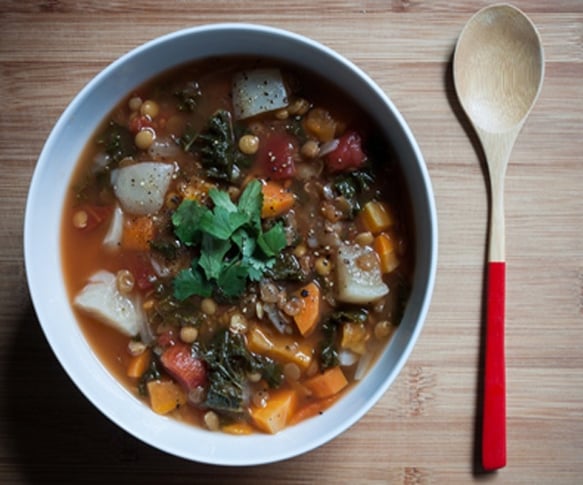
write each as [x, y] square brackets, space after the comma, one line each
[137, 233]
[328, 383]
[276, 199]
[385, 248]
[165, 396]
[308, 316]
[178, 361]
[274, 416]
[139, 364]
[280, 347]
[376, 216]
[321, 124]
[238, 428]
[312, 409]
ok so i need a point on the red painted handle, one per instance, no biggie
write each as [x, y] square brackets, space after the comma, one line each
[494, 417]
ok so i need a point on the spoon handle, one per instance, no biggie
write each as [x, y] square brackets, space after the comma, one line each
[494, 410]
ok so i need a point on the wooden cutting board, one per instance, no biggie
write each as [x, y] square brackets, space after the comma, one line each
[423, 429]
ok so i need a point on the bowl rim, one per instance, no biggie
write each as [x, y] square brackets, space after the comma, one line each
[291, 443]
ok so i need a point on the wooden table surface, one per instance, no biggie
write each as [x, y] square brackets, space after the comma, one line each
[423, 429]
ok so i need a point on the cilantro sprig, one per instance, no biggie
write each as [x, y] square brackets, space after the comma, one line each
[233, 248]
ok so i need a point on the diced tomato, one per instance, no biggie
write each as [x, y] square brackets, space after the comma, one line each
[189, 371]
[143, 272]
[138, 123]
[167, 339]
[276, 156]
[348, 155]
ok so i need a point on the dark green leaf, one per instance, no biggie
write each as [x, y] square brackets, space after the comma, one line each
[272, 241]
[191, 282]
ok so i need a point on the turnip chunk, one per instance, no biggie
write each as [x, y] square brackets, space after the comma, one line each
[359, 278]
[258, 91]
[101, 299]
[112, 239]
[140, 188]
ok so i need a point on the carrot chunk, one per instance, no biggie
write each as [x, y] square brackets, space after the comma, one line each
[276, 199]
[239, 428]
[139, 364]
[328, 383]
[385, 248]
[376, 217]
[280, 347]
[137, 233]
[308, 316]
[312, 409]
[274, 416]
[165, 396]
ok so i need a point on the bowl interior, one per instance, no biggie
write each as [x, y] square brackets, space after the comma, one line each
[42, 241]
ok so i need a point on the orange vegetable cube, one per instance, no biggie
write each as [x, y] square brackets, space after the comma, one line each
[276, 199]
[280, 347]
[165, 396]
[139, 364]
[239, 428]
[309, 315]
[276, 413]
[376, 217]
[320, 123]
[328, 383]
[385, 248]
[137, 233]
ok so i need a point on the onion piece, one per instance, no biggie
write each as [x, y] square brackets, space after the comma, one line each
[363, 366]
[112, 239]
[258, 91]
[346, 358]
[329, 146]
[275, 317]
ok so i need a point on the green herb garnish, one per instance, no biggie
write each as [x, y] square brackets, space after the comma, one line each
[233, 248]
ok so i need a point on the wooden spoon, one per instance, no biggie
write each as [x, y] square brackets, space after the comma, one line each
[498, 69]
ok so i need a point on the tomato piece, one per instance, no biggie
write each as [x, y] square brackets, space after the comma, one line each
[276, 156]
[348, 155]
[143, 272]
[189, 371]
[138, 123]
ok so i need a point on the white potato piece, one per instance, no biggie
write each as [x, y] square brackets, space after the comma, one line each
[112, 239]
[358, 273]
[101, 299]
[258, 91]
[140, 188]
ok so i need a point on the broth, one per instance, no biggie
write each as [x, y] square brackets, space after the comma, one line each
[238, 265]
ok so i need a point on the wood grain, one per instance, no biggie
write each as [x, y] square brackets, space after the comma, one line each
[423, 428]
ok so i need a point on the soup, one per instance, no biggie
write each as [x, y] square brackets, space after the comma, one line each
[236, 244]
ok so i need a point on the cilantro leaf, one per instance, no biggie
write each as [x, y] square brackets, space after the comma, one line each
[233, 279]
[186, 221]
[232, 247]
[191, 282]
[211, 256]
[272, 241]
[251, 201]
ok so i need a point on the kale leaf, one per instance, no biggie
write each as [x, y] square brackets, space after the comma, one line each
[352, 186]
[229, 362]
[118, 142]
[216, 144]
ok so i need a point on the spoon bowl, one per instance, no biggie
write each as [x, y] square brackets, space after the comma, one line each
[498, 69]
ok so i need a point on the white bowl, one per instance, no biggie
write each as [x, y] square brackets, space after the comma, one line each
[44, 210]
